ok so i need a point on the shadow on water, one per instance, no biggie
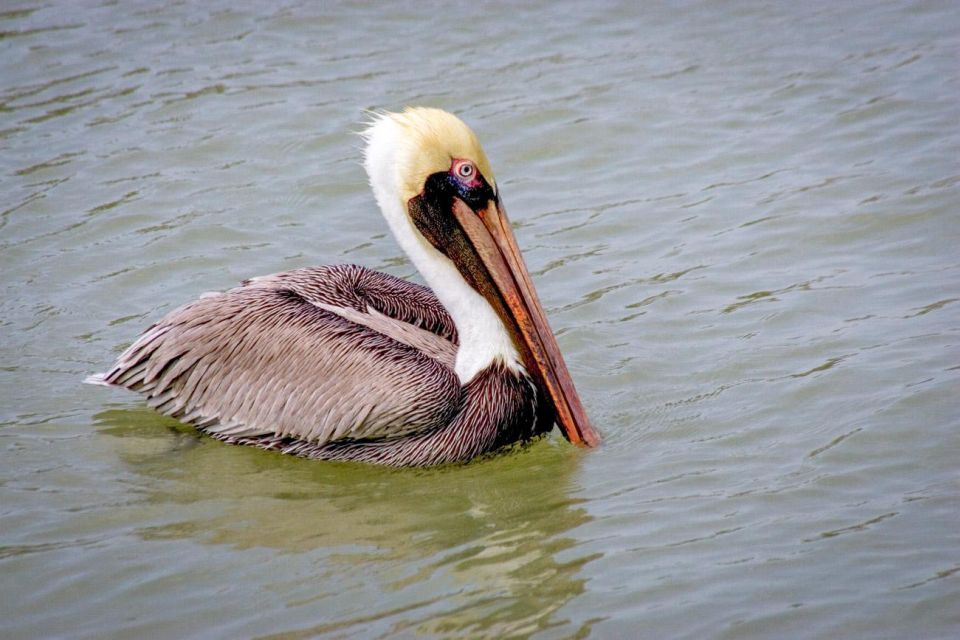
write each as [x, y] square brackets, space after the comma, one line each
[492, 530]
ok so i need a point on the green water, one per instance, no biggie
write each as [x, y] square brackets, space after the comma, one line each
[742, 219]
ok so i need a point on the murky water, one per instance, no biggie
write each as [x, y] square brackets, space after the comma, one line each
[742, 218]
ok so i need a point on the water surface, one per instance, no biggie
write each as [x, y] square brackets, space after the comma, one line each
[741, 217]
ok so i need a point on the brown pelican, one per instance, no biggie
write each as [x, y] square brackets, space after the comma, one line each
[344, 363]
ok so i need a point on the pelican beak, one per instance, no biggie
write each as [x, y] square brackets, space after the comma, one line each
[489, 231]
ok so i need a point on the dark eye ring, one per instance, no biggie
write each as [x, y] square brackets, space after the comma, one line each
[465, 170]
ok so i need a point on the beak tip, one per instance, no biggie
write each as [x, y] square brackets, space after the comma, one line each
[589, 439]
[581, 434]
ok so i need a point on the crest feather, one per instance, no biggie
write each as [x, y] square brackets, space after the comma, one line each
[427, 141]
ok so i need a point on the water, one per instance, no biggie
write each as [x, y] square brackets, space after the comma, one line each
[741, 217]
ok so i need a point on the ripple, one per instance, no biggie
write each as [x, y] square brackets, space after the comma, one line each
[854, 528]
[833, 443]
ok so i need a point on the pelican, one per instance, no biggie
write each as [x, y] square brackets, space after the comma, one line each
[340, 362]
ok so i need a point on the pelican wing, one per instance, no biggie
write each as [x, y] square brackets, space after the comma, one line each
[315, 355]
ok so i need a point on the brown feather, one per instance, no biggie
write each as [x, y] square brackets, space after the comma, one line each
[274, 358]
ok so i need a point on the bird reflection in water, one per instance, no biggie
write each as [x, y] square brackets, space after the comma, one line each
[487, 535]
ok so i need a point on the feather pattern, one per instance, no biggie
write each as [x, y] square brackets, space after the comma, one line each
[312, 355]
[499, 408]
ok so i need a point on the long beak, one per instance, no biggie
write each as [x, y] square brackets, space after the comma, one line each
[488, 230]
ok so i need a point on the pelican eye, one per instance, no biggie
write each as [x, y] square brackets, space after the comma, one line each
[465, 170]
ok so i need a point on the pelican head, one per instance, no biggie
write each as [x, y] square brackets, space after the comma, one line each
[436, 189]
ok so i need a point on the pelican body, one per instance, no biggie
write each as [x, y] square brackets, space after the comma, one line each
[344, 363]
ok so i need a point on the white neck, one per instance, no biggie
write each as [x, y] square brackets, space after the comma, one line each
[483, 338]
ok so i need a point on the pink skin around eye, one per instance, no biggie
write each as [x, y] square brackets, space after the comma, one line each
[459, 167]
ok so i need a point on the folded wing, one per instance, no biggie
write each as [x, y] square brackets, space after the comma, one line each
[315, 355]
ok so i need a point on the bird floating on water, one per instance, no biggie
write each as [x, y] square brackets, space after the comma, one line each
[341, 362]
